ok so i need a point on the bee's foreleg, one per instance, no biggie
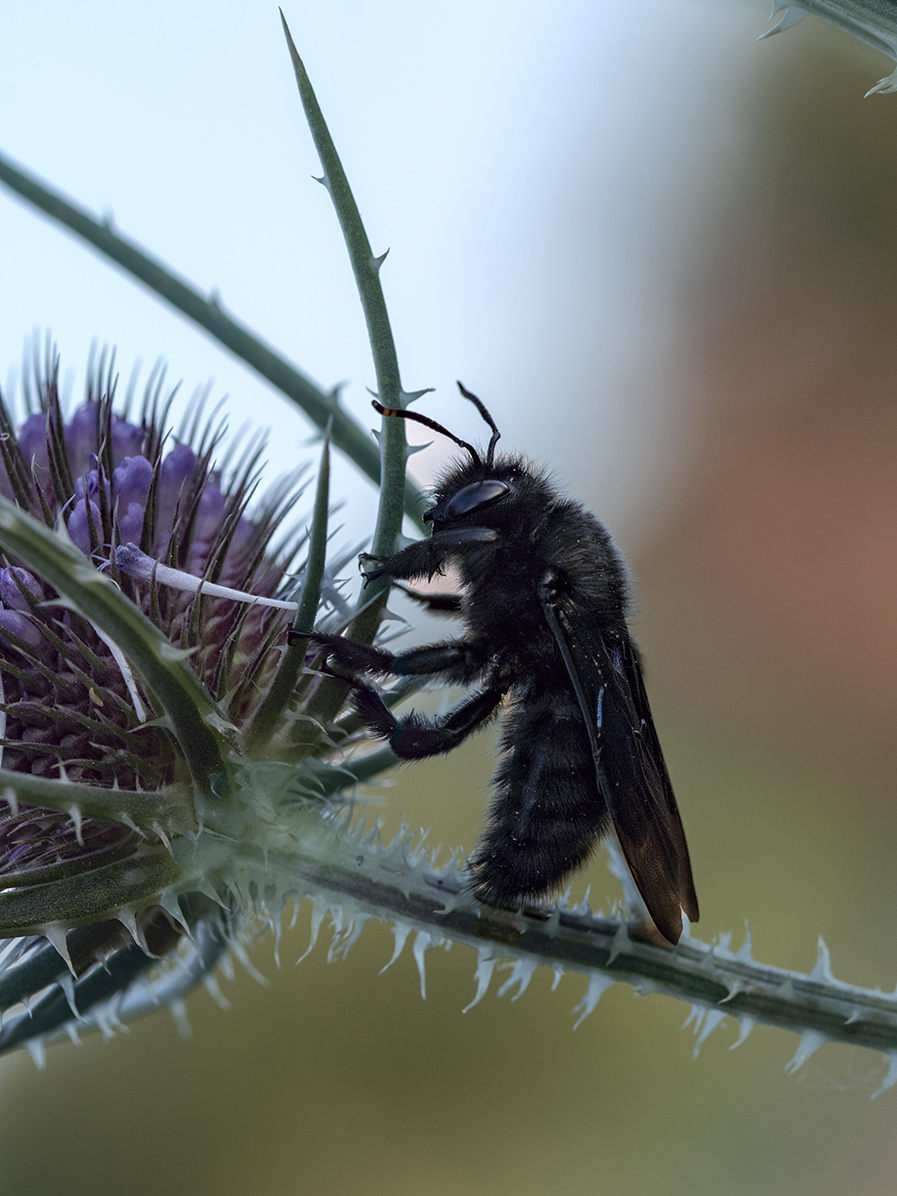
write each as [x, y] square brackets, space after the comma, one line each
[425, 558]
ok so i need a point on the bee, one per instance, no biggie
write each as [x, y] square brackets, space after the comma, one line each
[544, 603]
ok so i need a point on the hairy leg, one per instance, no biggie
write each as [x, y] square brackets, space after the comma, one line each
[458, 660]
[414, 736]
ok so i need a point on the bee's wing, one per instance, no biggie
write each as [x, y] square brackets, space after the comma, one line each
[633, 671]
[606, 676]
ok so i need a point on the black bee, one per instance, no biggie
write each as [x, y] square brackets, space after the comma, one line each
[544, 602]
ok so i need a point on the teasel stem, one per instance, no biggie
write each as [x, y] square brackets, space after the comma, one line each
[366, 268]
[345, 870]
[331, 694]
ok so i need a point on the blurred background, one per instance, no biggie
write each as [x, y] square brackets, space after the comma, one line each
[665, 257]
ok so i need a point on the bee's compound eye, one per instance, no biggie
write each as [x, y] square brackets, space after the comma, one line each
[474, 496]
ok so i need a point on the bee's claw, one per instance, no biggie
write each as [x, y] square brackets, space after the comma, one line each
[370, 575]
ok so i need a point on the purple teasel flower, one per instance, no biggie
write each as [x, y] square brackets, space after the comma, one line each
[86, 905]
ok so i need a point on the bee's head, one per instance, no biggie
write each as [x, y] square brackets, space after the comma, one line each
[470, 496]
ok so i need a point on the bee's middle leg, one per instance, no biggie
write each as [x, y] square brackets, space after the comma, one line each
[346, 653]
[456, 660]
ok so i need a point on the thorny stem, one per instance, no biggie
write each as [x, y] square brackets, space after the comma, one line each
[357, 879]
[366, 268]
[393, 447]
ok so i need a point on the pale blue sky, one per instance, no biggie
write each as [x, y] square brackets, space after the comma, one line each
[538, 171]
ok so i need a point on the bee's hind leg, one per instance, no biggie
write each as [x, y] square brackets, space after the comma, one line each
[415, 737]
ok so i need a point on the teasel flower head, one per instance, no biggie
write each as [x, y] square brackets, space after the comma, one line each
[142, 623]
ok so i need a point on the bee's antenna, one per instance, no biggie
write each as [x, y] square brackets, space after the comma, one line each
[415, 417]
[490, 452]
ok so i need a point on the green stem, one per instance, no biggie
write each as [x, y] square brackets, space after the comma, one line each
[331, 694]
[366, 267]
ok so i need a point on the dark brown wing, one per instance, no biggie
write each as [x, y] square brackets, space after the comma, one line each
[604, 670]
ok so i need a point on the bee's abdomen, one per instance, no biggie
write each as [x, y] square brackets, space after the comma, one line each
[547, 814]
